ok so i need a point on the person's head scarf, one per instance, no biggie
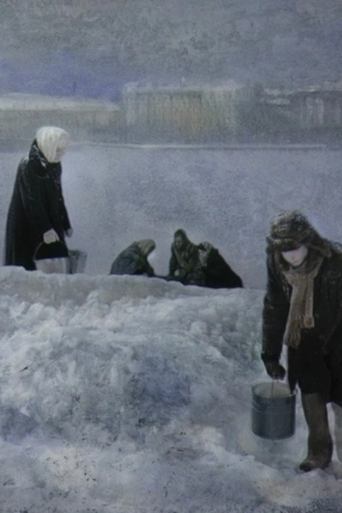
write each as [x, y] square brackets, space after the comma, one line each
[52, 142]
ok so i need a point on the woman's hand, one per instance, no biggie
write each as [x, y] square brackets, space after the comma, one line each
[50, 236]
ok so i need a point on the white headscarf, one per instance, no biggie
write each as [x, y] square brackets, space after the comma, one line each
[52, 141]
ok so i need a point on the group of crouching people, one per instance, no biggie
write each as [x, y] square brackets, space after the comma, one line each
[190, 264]
[38, 224]
[303, 301]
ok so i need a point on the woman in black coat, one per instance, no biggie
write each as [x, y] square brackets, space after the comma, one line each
[303, 310]
[37, 212]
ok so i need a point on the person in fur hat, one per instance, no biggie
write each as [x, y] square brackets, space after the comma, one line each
[134, 259]
[184, 265]
[303, 310]
[37, 211]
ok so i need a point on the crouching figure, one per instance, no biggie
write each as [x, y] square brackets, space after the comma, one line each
[217, 272]
[184, 265]
[134, 259]
[303, 310]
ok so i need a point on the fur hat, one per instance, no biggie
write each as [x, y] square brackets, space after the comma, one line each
[291, 229]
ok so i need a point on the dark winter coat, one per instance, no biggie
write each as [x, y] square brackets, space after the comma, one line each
[184, 265]
[37, 205]
[217, 273]
[316, 365]
[132, 260]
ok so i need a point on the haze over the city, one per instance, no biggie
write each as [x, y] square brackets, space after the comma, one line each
[92, 49]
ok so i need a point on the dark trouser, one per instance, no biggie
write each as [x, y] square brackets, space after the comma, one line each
[319, 439]
[320, 380]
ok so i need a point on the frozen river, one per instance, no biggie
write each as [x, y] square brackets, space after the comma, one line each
[116, 195]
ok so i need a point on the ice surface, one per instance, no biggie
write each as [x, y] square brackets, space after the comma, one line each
[133, 395]
[116, 195]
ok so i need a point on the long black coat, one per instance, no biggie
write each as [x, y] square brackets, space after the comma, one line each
[37, 205]
[316, 365]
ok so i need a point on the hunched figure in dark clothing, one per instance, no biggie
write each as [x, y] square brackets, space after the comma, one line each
[134, 259]
[303, 310]
[217, 272]
[184, 265]
[37, 211]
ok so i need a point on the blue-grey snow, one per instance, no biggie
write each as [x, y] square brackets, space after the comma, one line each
[124, 394]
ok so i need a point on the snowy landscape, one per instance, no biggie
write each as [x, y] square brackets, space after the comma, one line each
[118, 194]
[133, 394]
[122, 394]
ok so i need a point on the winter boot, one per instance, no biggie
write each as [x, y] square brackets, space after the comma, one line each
[320, 445]
[338, 429]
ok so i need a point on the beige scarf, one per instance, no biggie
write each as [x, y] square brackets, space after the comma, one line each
[300, 313]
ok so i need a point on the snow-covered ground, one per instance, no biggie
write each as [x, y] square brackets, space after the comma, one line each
[132, 395]
[116, 195]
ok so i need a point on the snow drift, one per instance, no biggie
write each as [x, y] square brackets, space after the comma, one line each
[132, 395]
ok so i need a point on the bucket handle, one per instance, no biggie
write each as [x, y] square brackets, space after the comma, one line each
[36, 250]
[40, 245]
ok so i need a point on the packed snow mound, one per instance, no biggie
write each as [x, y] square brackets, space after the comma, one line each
[110, 354]
[127, 394]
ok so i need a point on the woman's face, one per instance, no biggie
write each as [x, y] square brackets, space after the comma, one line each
[295, 257]
[60, 151]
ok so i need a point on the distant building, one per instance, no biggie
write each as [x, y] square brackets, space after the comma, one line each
[313, 113]
[317, 107]
[21, 115]
[184, 114]
[229, 113]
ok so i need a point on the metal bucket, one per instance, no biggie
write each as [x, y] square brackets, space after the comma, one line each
[56, 258]
[53, 265]
[77, 261]
[273, 410]
[51, 258]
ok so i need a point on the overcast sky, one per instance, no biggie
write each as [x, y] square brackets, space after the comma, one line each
[88, 48]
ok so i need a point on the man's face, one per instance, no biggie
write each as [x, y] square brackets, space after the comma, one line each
[295, 257]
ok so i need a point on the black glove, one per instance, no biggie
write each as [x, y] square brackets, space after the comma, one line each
[275, 370]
